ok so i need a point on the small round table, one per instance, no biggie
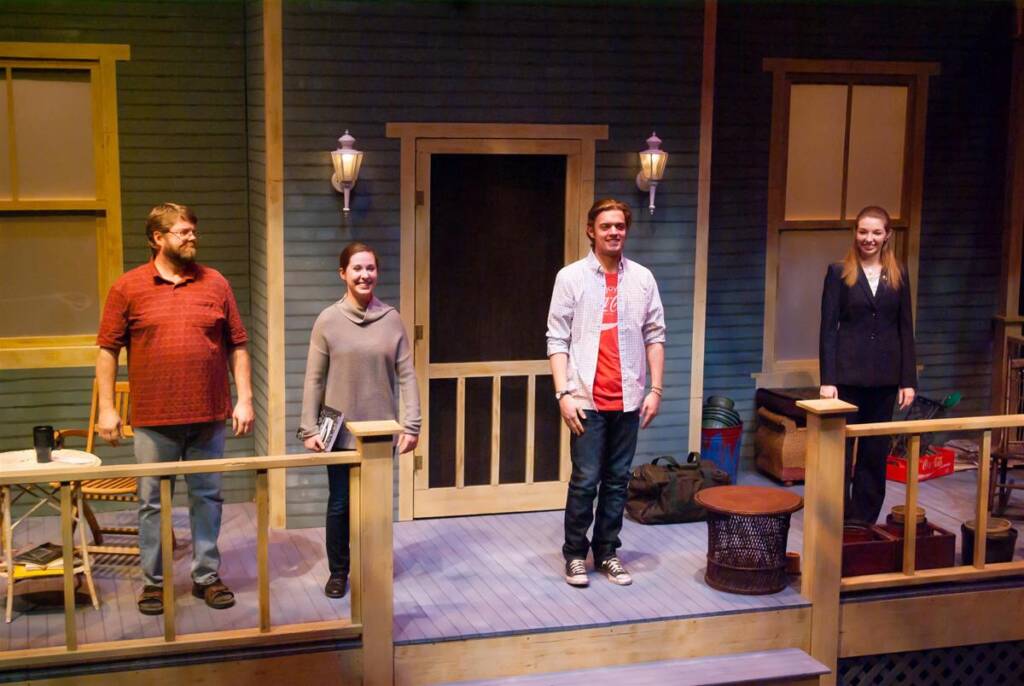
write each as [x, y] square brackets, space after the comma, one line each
[44, 495]
[748, 528]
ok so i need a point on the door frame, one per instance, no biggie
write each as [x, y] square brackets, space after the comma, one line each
[431, 138]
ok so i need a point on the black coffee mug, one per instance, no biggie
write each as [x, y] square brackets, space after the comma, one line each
[42, 439]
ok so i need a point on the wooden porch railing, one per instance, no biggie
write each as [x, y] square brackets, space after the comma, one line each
[822, 580]
[371, 579]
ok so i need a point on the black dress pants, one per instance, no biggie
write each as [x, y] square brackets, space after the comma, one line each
[865, 481]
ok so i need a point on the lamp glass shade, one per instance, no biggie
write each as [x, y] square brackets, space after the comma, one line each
[346, 164]
[652, 164]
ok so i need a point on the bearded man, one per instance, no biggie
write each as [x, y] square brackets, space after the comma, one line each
[180, 324]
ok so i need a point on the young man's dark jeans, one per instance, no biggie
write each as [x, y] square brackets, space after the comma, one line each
[601, 458]
[337, 519]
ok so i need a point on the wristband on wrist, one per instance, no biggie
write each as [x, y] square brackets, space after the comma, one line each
[656, 389]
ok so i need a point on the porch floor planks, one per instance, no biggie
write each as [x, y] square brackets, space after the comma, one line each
[469, 618]
[473, 581]
[410, 618]
[462, 577]
[596, 598]
[507, 562]
[542, 555]
[432, 595]
[492, 551]
[481, 557]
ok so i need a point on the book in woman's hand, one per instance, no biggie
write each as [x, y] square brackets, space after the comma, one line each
[328, 426]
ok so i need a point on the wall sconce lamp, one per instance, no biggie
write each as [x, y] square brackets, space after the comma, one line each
[652, 168]
[347, 161]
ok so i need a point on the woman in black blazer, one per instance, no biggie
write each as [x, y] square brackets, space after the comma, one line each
[866, 349]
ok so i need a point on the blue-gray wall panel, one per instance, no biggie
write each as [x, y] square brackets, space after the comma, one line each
[360, 65]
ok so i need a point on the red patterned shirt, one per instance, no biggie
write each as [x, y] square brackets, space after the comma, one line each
[178, 338]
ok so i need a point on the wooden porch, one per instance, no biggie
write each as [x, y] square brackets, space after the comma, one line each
[481, 597]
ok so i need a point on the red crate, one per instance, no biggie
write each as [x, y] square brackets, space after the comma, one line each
[933, 465]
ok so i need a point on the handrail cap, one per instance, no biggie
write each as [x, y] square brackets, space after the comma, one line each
[826, 406]
[385, 427]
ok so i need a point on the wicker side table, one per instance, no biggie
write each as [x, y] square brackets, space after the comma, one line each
[748, 528]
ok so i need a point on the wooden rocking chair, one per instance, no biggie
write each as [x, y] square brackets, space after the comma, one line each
[123, 490]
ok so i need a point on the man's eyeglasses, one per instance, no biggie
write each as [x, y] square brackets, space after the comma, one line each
[182, 235]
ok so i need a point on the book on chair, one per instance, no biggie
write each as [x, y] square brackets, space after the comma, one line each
[39, 557]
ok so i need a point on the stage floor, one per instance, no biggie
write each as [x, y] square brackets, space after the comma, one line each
[455, 578]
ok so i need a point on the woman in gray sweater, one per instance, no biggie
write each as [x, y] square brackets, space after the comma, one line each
[357, 352]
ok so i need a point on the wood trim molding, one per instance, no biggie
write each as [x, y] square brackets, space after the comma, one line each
[66, 51]
[527, 131]
[406, 306]
[786, 65]
[304, 667]
[933, 621]
[700, 256]
[273, 104]
[776, 206]
[490, 658]
[916, 183]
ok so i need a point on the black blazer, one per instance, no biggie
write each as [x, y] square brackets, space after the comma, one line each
[866, 340]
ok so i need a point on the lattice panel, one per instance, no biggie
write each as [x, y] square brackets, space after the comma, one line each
[977, 665]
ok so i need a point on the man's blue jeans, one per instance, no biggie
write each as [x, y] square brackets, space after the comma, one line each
[601, 458]
[205, 502]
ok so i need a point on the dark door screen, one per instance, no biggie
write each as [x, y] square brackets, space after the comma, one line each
[497, 239]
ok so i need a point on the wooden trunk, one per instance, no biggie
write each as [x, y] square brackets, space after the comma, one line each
[779, 446]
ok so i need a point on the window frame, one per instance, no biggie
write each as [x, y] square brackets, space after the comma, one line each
[33, 352]
[785, 73]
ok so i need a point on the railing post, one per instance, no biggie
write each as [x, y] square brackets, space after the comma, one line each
[825, 471]
[981, 503]
[167, 553]
[68, 547]
[376, 558]
[262, 545]
[910, 505]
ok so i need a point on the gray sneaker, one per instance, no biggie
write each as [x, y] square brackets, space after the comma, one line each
[576, 573]
[616, 573]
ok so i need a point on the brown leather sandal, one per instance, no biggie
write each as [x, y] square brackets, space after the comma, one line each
[151, 601]
[215, 594]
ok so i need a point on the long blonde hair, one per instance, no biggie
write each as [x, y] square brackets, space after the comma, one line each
[890, 265]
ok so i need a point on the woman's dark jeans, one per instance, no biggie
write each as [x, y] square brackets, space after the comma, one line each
[337, 519]
[601, 458]
[865, 489]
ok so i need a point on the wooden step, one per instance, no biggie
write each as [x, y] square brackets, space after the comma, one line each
[785, 666]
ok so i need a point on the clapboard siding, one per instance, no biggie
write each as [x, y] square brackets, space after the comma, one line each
[181, 117]
[963, 177]
[360, 65]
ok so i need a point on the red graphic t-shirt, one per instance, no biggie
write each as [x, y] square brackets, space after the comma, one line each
[608, 378]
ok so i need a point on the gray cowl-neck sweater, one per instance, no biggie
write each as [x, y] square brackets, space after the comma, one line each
[355, 358]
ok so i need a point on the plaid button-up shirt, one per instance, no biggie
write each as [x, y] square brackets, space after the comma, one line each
[574, 325]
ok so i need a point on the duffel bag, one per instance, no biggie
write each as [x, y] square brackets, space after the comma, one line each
[663, 491]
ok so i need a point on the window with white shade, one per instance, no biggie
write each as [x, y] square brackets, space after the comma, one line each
[60, 204]
[844, 135]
